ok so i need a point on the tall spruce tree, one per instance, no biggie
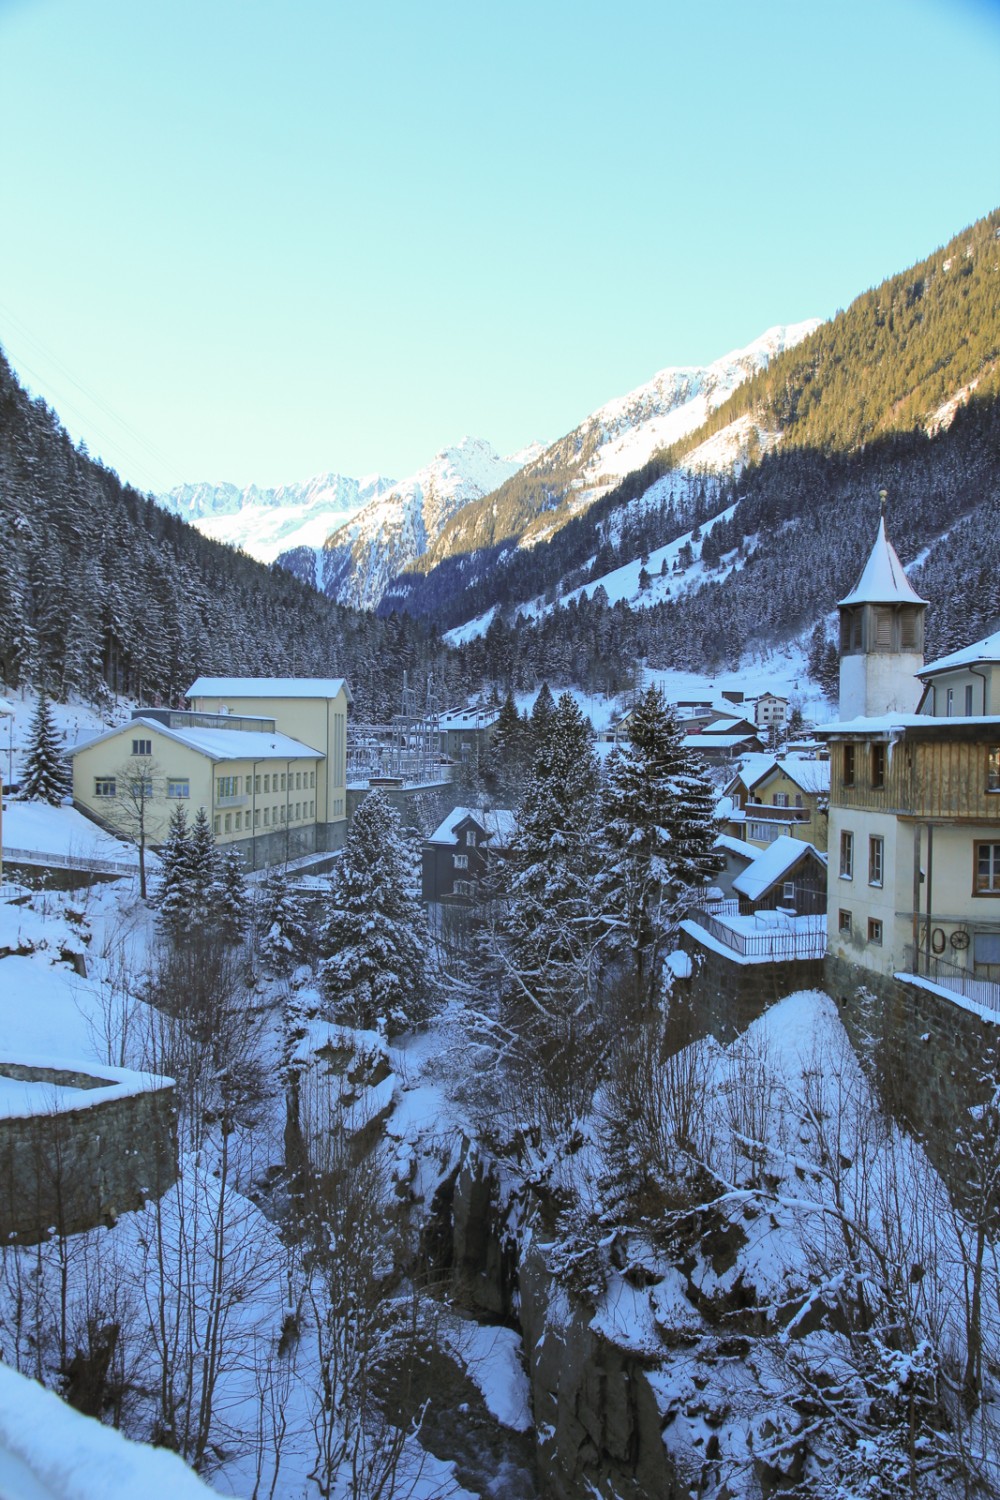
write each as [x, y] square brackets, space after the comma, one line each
[44, 777]
[376, 935]
[174, 893]
[660, 832]
[549, 935]
[284, 933]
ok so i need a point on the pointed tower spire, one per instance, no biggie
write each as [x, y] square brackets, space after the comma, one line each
[881, 635]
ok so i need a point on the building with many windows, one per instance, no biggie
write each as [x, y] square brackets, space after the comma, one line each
[267, 762]
[914, 838]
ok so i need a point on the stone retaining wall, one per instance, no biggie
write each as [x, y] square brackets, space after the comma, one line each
[69, 1170]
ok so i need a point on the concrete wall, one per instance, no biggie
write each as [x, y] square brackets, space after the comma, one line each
[74, 1169]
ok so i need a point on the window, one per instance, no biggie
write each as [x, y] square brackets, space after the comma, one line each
[105, 786]
[987, 870]
[256, 784]
[227, 786]
[878, 765]
[256, 817]
[463, 888]
[470, 838]
[267, 817]
[908, 622]
[845, 923]
[461, 861]
[764, 833]
[178, 786]
[312, 809]
[788, 890]
[986, 948]
[875, 931]
[876, 860]
[781, 799]
[282, 781]
[846, 855]
[312, 779]
[949, 702]
[239, 821]
[883, 627]
[968, 700]
[848, 777]
[993, 769]
[142, 747]
[215, 826]
[298, 811]
[298, 781]
[229, 823]
[267, 783]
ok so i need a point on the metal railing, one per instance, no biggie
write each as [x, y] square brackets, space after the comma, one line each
[780, 944]
[62, 861]
[982, 989]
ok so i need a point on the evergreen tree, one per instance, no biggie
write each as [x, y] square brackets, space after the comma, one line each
[549, 933]
[203, 867]
[227, 896]
[376, 934]
[541, 717]
[660, 832]
[44, 778]
[507, 760]
[174, 894]
[284, 938]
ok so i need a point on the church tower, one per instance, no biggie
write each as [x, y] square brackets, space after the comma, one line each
[881, 637]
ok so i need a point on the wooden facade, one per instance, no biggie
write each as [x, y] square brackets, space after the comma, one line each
[941, 773]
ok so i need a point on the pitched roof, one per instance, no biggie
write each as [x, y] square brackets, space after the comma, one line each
[810, 775]
[217, 744]
[498, 825]
[771, 865]
[268, 687]
[988, 649]
[883, 580]
[737, 846]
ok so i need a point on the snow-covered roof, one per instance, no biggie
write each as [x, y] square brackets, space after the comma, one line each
[725, 726]
[771, 865]
[810, 775]
[752, 767]
[468, 718]
[499, 824]
[268, 687]
[706, 742]
[217, 744]
[988, 649]
[737, 846]
[883, 580]
[891, 723]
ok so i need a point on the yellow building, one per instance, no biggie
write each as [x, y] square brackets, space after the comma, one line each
[312, 710]
[782, 794]
[260, 788]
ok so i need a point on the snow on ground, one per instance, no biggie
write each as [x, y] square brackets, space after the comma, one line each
[489, 1356]
[48, 1451]
[62, 830]
[601, 711]
[75, 722]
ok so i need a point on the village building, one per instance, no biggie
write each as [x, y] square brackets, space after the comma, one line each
[776, 795]
[771, 712]
[914, 878]
[264, 757]
[455, 858]
[465, 734]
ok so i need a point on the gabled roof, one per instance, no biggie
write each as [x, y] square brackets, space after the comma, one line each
[740, 847]
[268, 687]
[497, 825]
[468, 718]
[811, 775]
[988, 649]
[771, 865]
[883, 580]
[217, 744]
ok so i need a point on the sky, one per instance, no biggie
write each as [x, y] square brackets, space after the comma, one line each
[254, 241]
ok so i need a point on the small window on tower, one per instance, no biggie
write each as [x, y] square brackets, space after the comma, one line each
[909, 630]
[883, 627]
[849, 758]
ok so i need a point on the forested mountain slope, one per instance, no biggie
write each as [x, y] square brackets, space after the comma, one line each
[101, 591]
[900, 359]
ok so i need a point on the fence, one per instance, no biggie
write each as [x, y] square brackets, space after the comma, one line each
[70, 861]
[965, 982]
[779, 944]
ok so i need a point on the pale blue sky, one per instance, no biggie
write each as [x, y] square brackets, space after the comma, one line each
[273, 239]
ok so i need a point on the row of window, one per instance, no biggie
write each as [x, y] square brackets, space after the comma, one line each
[845, 926]
[298, 781]
[235, 823]
[986, 863]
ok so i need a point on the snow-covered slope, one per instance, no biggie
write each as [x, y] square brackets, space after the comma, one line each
[625, 433]
[266, 523]
[395, 528]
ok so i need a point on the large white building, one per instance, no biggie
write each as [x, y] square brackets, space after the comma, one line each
[914, 835]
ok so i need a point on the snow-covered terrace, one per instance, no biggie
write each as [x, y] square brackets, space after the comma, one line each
[766, 937]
